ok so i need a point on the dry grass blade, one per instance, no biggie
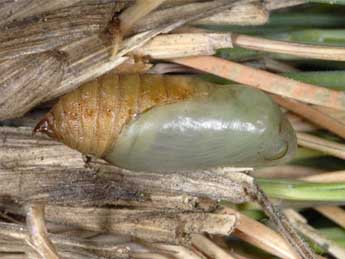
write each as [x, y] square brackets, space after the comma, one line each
[164, 16]
[23, 85]
[329, 147]
[122, 24]
[38, 233]
[150, 225]
[179, 252]
[337, 176]
[278, 4]
[209, 248]
[334, 213]
[314, 115]
[300, 223]
[301, 124]
[291, 48]
[286, 172]
[184, 44]
[336, 114]
[261, 236]
[53, 30]
[136, 12]
[266, 81]
[79, 242]
[242, 14]
[16, 10]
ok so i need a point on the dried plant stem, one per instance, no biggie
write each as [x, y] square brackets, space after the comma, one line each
[286, 172]
[337, 176]
[178, 252]
[300, 223]
[116, 245]
[209, 248]
[266, 81]
[63, 177]
[38, 233]
[300, 124]
[242, 14]
[128, 18]
[116, 183]
[136, 12]
[329, 147]
[150, 225]
[336, 114]
[281, 222]
[334, 213]
[295, 49]
[278, 66]
[314, 115]
[164, 16]
[278, 4]
[16, 10]
[261, 236]
[184, 44]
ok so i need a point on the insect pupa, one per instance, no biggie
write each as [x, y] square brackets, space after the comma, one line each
[171, 123]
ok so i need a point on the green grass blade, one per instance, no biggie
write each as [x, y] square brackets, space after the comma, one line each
[303, 191]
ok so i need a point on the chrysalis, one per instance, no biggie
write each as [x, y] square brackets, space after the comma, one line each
[171, 123]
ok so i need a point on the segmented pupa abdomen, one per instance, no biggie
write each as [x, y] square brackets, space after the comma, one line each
[91, 117]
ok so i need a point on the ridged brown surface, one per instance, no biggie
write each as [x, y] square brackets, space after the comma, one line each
[90, 118]
[28, 80]
[52, 30]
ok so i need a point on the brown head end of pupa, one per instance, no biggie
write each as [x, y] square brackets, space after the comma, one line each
[45, 126]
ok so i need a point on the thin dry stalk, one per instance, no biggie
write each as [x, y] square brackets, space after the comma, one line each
[163, 16]
[291, 48]
[38, 233]
[337, 176]
[287, 172]
[336, 114]
[68, 241]
[300, 124]
[121, 25]
[209, 248]
[178, 252]
[242, 14]
[261, 236]
[266, 81]
[278, 66]
[316, 116]
[334, 213]
[185, 44]
[300, 223]
[326, 146]
[150, 225]
[278, 4]
[136, 12]
[16, 10]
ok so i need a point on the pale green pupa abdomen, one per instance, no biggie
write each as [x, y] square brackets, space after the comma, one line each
[233, 126]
